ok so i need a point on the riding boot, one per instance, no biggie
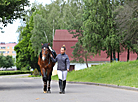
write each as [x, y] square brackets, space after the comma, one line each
[60, 86]
[64, 85]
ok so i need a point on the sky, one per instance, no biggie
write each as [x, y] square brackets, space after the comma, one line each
[10, 34]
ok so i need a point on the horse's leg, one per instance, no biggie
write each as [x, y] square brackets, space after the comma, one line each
[49, 78]
[44, 80]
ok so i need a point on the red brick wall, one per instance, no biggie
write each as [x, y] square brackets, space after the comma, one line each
[62, 37]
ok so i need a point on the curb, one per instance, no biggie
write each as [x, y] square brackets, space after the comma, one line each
[106, 85]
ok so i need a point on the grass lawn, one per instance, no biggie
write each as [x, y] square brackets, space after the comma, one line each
[116, 73]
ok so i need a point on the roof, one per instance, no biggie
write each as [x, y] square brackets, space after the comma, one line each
[8, 44]
[64, 35]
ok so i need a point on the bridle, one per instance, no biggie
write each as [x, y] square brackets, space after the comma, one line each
[46, 58]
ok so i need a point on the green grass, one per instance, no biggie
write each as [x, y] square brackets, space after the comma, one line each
[34, 76]
[116, 73]
[13, 72]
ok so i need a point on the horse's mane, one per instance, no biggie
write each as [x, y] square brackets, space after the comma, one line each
[41, 54]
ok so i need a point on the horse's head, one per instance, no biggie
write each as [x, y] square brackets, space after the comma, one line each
[45, 51]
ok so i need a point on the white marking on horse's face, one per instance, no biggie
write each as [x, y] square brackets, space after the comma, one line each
[44, 48]
[43, 58]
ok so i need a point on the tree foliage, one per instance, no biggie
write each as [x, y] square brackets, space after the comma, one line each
[6, 61]
[100, 25]
[10, 10]
[25, 54]
[127, 22]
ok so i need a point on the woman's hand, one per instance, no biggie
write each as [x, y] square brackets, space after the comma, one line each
[51, 55]
[68, 70]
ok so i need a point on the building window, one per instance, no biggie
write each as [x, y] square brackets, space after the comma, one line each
[2, 47]
[8, 47]
[2, 51]
[13, 56]
[12, 47]
[7, 51]
[14, 52]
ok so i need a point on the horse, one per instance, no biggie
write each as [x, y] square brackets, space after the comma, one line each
[46, 65]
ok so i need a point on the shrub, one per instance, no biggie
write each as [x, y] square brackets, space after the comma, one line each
[36, 73]
[13, 72]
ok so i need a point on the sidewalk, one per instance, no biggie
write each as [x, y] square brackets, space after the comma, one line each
[12, 76]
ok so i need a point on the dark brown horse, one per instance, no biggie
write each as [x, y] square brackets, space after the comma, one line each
[46, 65]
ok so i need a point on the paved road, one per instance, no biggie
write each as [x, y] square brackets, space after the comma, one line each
[30, 90]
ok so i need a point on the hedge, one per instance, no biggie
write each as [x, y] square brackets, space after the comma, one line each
[14, 72]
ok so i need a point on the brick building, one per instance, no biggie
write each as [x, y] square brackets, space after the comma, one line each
[63, 37]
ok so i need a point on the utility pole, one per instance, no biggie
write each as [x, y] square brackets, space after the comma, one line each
[53, 28]
[46, 36]
[81, 3]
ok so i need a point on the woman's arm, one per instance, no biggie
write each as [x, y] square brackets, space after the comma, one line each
[54, 60]
[67, 63]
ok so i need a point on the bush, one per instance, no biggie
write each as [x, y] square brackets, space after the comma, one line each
[13, 72]
[25, 68]
[36, 73]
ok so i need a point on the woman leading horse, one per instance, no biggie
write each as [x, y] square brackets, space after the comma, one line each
[46, 65]
[63, 67]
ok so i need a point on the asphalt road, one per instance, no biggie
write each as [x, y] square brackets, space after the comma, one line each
[30, 90]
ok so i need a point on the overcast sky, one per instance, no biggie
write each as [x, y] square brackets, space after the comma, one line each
[10, 34]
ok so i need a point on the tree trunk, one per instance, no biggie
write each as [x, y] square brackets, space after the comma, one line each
[114, 55]
[118, 52]
[86, 62]
[137, 56]
[128, 54]
[111, 55]
[118, 55]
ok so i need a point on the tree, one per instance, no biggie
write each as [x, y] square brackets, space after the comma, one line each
[73, 11]
[40, 33]
[25, 54]
[6, 61]
[79, 53]
[1, 60]
[11, 10]
[127, 21]
[99, 27]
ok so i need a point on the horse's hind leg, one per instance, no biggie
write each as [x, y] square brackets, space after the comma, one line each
[44, 80]
[49, 78]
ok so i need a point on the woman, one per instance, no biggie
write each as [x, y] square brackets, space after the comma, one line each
[62, 68]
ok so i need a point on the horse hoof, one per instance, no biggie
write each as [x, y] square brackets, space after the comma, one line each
[45, 91]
